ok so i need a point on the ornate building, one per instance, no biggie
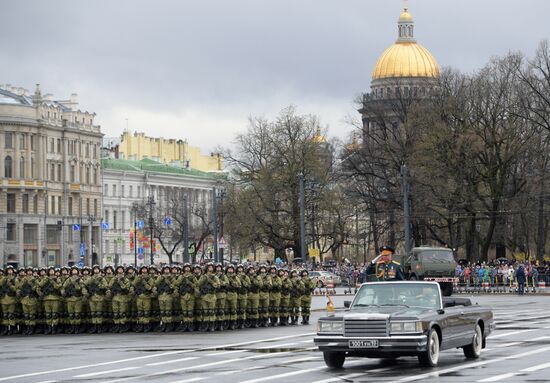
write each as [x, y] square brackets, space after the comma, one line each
[127, 185]
[50, 180]
[137, 147]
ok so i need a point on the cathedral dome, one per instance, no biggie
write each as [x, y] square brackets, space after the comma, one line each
[406, 58]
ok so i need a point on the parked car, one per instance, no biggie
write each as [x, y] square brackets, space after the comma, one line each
[324, 278]
[392, 319]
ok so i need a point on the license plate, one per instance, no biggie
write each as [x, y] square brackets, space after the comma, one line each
[373, 343]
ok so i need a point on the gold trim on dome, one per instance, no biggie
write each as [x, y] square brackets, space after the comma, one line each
[406, 60]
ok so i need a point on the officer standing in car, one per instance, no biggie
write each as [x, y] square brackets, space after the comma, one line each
[384, 268]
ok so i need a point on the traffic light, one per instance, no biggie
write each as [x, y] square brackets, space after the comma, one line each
[59, 225]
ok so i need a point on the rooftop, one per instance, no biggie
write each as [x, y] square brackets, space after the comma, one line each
[149, 165]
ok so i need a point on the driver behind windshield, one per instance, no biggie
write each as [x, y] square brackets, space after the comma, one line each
[384, 268]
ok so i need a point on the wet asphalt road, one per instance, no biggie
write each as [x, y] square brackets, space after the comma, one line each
[519, 351]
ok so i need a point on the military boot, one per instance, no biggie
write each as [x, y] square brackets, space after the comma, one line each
[115, 328]
[274, 322]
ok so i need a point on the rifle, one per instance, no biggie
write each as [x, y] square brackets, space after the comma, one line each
[26, 290]
[186, 288]
[5, 289]
[140, 289]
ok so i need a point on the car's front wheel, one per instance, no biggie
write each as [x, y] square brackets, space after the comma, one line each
[473, 351]
[430, 357]
[334, 359]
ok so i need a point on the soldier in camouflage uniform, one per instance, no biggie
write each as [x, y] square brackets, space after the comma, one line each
[207, 285]
[28, 296]
[242, 296]
[198, 314]
[274, 296]
[121, 290]
[253, 298]
[72, 291]
[143, 286]
[8, 301]
[296, 291]
[49, 290]
[165, 286]
[265, 290]
[63, 274]
[96, 287]
[221, 297]
[185, 288]
[286, 287]
[233, 287]
[107, 316]
[309, 287]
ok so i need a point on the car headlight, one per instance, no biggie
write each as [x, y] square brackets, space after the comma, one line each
[405, 327]
[334, 327]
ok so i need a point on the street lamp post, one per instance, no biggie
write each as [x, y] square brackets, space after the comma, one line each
[92, 219]
[302, 219]
[185, 231]
[151, 204]
[135, 209]
[215, 224]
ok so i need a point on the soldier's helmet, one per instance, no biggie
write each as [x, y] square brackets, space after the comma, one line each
[86, 270]
[240, 267]
[1, 271]
[109, 267]
[186, 267]
[273, 268]
[166, 268]
[73, 269]
[219, 267]
[263, 268]
[143, 269]
[197, 267]
[22, 271]
[96, 269]
[281, 272]
[209, 265]
[51, 271]
[130, 269]
[119, 268]
[293, 273]
[229, 267]
[250, 269]
[65, 269]
[304, 273]
[153, 270]
[175, 269]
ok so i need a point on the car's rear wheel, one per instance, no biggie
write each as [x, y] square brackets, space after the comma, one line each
[430, 357]
[334, 359]
[473, 351]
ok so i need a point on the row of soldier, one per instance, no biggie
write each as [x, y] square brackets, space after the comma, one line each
[188, 298]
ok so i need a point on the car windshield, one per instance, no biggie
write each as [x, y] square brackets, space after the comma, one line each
[424, 295]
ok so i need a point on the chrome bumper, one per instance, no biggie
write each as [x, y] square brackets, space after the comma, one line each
[403, 345]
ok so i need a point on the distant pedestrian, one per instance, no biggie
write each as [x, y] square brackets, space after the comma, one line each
[521, 278]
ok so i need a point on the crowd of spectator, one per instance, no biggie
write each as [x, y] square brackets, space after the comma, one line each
[498, 273]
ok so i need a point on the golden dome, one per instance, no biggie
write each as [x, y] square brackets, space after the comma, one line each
[405, 59]
[405, 16]
[318, 138]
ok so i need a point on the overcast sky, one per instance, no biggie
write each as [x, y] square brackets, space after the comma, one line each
[197, 69]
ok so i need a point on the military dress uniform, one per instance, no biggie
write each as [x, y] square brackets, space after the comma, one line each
[49, 290]
[265, 290]
[305, 299]
[296, 291]
[96, 287]
[8, 301]
[242, 293]
[208, 284]
[27, 294]
[165, 287]
[73, 292]
[233, 287]
[121, 290]
[143, 286]
[286, 288]
[221, 299]
[253, 297]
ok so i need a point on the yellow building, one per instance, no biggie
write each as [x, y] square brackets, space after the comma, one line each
[137, 147]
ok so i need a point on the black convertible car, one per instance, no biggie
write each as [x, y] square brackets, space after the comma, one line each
[392, 319]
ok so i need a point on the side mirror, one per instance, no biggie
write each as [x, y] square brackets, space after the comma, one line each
[347, 304]
[441, 311]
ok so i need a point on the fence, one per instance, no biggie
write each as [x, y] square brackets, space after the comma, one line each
[503, 284]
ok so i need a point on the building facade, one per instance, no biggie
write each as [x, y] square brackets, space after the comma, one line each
[128, 185]
[179, 153]
[50, 196]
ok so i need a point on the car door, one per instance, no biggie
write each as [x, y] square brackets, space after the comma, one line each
[451, 323]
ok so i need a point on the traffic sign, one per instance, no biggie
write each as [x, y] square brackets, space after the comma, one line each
[105, 225]
[168, 221]
[221, 243]
[82, 249]
[76, 227]
[140, 225]
[140, 250]
[140, 256]
[81, 263]
[192, 247]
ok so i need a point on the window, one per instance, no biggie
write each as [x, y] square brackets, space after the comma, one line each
[11, 203]
[58, 145]
[94, 147]
[29, 234]
[8, 173]
[22, 141]
[52, 205]
[25, 203]
[131, 191]
[87, 206]
[10, 232]
[72, 173]
[22, 167]
[59, 172]
[52, 172]
[32, 168]
[87, 150]
[9, 140]
[114, 190]
[122, 191]
[106, 215]
[70, 206]
[35, 204]
[95, 180]
[122, 219]
[52, 145]
[95, 207]
[88, 175]
[32, 141]
[139, 191]
[106, 190]
[52, 235]
[114, 219]
[59, 205]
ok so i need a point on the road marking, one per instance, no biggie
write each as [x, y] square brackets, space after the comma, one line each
[509, 333]
[536, 368]
[497, 377]
[225, 353]
[189, 380]
[13, 377]
[276, 345]
[340, 378]
[285, 375]
[171, 361]
[259, 367]
[506, 344]
[104, 372]
[471, 365]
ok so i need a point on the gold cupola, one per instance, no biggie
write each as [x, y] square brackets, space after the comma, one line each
[406, 58]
